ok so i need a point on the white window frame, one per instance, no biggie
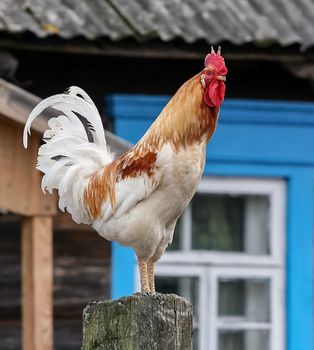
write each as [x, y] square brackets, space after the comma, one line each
[275, 276]
[209, 266]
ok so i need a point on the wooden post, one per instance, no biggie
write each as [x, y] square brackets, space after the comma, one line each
[37, 277]
[138, 322]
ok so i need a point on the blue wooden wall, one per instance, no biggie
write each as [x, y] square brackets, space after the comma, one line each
[254, 138]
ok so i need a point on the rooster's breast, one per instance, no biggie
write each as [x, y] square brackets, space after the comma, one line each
[151, 222]
[181, 178]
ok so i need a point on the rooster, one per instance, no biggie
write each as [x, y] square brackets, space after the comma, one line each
[137, 198]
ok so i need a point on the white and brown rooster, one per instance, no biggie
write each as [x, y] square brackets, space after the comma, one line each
[137, 198]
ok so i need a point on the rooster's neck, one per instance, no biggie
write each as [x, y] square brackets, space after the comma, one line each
[185, 120]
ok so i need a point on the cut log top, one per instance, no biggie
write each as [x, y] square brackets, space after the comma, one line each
[138, 322]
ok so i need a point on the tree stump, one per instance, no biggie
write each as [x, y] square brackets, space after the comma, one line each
[138, 322]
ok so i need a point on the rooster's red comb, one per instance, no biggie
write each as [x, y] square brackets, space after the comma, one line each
[215, 61]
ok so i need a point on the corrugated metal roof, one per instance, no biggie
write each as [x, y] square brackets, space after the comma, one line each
[240, 21]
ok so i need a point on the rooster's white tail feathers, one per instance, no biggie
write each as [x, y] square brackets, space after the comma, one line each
[74, 148]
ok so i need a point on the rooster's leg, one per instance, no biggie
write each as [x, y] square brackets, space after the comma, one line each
[151, 275]
[143, 275]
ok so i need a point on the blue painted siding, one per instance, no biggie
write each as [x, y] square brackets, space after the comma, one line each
[257, 139]
[295, 147]
[300, 260]
[233, 111]
[122, 275]
[262, 143]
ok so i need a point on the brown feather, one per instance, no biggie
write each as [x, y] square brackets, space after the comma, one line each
[101, 185]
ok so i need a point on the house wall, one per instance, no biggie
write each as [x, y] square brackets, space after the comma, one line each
[260, 139]
[10, 283]
[81, 274]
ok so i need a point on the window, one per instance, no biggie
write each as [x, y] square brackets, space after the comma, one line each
[227, 258]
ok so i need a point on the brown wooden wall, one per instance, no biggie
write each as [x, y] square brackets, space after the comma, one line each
[10, 283]
[81, 274]
[19, 179]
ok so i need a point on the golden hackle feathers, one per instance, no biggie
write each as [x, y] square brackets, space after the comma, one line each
[184, 120]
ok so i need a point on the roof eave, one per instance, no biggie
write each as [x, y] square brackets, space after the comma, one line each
[16, 105]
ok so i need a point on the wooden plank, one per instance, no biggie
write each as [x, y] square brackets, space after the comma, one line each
[25, 180]
[37, 287]
[7, 147]
[16, 104]
[20, 190]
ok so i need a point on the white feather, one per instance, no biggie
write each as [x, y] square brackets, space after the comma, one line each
[69, 103]
[68, 157]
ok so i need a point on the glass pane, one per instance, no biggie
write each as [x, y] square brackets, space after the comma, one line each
[186, 287]
[244, 340]
[230, 223]
[244, 300]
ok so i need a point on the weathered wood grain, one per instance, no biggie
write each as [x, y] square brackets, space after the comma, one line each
[81, 274]
[37, 272]
[138, 322]
[20, 181]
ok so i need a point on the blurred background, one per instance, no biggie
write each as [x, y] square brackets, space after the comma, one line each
[243, 249]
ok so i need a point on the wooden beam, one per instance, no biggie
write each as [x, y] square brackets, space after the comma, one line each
[37, 279]
[16, 104]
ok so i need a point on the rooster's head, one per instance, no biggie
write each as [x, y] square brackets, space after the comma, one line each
[213, 78]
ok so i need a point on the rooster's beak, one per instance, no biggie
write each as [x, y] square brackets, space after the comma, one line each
[221, 77]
